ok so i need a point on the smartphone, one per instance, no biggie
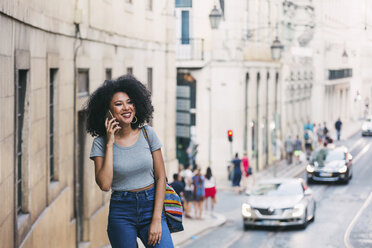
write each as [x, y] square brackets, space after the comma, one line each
[109, 115]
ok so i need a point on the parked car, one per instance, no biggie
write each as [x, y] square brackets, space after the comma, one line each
[279, 202]
[367, 127]
[330, 164]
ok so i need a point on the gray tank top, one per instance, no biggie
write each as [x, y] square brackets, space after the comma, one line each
[133, 165]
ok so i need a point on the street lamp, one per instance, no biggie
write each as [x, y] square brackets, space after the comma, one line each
[344, 56]
[215, 17]
[276, 49]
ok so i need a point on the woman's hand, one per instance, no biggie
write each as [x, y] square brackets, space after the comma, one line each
[154, 232]
[111, 127]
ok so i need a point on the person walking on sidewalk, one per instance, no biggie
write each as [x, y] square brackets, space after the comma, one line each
[124, 163]
[189, 188]
[238, 169]
[199, 193]
[178, 186]
[246, 170]
[288, 145]
[298, 149]
[338, 125]
[210, 190]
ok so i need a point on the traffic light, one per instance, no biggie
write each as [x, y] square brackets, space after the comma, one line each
[230, 135]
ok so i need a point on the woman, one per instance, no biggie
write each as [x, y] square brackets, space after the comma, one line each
[210, 190]
[238, 169]
[116, 111]
[198, 181]
[245, 162]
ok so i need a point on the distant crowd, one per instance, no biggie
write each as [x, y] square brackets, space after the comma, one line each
[195, 190]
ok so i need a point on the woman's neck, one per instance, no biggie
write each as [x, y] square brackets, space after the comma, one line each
[125, 131]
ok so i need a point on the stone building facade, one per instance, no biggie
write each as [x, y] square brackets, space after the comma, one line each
[53, 54]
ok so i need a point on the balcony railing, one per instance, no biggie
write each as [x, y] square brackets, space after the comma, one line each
[190, 49]
[338, 74]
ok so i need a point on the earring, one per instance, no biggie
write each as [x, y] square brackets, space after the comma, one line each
[135, 120]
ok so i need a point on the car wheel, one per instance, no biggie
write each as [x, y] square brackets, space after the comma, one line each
[304, 225]
[246, 227]
[346, 181]
[309, 181]
[313, 218]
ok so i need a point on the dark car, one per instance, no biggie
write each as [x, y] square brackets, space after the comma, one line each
[330, 164]
[279, 202]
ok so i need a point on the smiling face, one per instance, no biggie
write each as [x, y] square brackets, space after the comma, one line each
[122, 108]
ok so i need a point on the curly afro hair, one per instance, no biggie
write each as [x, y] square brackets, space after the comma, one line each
[99, 103]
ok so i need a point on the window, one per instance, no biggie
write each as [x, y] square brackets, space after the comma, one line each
[83, 82]
[183, 3]
[52, 84]
[130, 71]
[185, 27]
[149, 79]
[20, 112]
[108, 75]
[149, 5]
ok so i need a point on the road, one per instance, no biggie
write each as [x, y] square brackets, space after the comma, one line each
[343, 216]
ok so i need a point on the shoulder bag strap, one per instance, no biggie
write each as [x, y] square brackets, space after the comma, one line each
[146, 137]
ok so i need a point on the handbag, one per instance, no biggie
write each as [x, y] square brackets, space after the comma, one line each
[249, 171]
[172, 206]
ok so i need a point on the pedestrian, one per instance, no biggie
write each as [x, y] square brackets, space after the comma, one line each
[308, 143]
[124, 163]
[246, 170]
[189, 188]
[199, 193]
[325, 131]
[210, 190]
[338, 126]
[237, 168]
[297, 149]
[178, 186]
[288, 145]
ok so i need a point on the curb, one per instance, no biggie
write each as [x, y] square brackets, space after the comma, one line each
[183, 238]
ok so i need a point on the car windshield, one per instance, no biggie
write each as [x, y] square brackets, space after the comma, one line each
[326, 155]
[368, 120]
[335, 155]
[278, 189]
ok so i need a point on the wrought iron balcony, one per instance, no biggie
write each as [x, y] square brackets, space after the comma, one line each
[190, 49]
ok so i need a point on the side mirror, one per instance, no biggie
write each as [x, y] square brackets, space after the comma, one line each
[308, 192]
[350, 157]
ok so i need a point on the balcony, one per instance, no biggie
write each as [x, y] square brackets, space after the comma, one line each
[339, 74]
[190, 53]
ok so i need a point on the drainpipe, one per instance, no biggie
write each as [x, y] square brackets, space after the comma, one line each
[77, 45]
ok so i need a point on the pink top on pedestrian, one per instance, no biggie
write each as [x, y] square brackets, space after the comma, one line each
[245, 163]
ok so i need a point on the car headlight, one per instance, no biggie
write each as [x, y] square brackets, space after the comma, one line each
[364, 127]
[298, 210]
[310, 168]
[246, 210]
[343, 169]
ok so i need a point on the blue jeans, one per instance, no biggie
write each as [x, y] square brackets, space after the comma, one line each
[130, 216]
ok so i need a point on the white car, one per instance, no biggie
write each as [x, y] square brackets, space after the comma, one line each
[279, 202]
[367, 127]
